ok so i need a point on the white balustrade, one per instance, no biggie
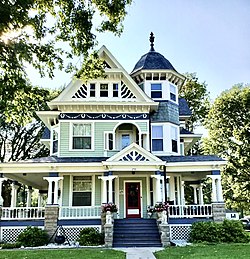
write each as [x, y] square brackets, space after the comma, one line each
[88, 212]
[190, 211]
[22, 213]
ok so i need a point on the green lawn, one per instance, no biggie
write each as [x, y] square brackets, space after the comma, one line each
[62, 254]
[206, 251]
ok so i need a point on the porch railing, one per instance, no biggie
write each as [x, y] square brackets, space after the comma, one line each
[22, 213]
[91, 212]
[190, 211]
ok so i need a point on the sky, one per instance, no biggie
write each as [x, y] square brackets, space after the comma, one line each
[209, 37]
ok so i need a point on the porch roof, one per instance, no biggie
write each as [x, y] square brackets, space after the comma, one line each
[199, 158]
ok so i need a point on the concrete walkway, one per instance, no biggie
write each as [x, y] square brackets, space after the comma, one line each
[139, 253]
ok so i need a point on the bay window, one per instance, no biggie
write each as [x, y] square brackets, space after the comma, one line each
[157, 138]
[156, 91]
[172, 92]
[174, 136]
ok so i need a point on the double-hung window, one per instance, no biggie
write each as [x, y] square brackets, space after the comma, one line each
[55, 140]
[92, 90]
[157, 138]
[81, 136]
[172, 92]
[82, 189]
[156, 91]
[174, 141]
[104, 90]
[115, 90]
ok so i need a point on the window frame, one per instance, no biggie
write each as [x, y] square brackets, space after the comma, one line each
[91, 136]
[92, 191]
[158, 138]
[155, 91]
[54, 129]
[106, 91]
[92, 91]
[174, 139]
[172, 93]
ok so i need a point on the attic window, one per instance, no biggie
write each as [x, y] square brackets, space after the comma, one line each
[104, 90]
[92, 90]
[115, 90]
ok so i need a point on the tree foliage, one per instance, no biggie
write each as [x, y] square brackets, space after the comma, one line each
[228, 123]
[34, 31]
[197, 97]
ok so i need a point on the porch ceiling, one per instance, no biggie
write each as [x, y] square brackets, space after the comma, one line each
[31, 179]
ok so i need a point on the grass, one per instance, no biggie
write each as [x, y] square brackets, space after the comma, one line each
[218, 251]
[62, 254]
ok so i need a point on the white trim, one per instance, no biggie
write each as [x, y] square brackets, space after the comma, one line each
[92, 123]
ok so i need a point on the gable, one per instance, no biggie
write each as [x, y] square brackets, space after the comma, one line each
[134, 153]
[117, 87]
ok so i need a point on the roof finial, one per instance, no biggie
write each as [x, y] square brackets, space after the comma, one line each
[151, 39]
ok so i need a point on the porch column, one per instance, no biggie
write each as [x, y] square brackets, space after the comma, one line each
[182, 193]
[172, 189]
[14, 194]
[201, 200]
[50, 189]
[195, 192]
[39, 200]
[158, 178]
[214, 191]
[219, 189]
[29, 192]
[1, 185]
[104, 188]
[110, 179]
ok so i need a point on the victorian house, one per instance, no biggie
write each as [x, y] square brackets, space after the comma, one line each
[123, 140]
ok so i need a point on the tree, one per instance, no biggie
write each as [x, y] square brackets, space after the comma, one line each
[197, 97]
[228, 125]
[20, 134]
[31, 30]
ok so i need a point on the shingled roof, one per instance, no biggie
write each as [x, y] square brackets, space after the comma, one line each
[153, 60]
[184, 109]
[175, 159]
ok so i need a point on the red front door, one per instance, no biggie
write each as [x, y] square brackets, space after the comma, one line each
[133, 200]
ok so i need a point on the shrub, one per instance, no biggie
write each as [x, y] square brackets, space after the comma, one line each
[232, 231]
[10, 245]
[33, 236]
[205, 232]
[90, 237]
[229, 231]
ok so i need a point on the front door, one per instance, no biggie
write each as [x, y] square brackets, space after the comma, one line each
[133, 200]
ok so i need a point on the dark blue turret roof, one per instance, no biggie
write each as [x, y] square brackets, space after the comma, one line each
[153, 60]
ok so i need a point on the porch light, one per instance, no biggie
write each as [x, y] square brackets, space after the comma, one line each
[133, 170]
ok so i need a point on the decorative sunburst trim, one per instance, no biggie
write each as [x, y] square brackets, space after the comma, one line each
[125, 92]
[134, 156]
[81, 92]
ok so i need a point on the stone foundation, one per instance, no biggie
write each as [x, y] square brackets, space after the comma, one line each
[51, 217]
[218, 211]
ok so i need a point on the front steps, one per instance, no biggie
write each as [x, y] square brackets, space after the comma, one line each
[136, 233]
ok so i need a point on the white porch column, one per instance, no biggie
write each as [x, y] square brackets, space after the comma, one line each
[172, 189]
[183, 193]
[195, 192]
[178, 181]
[201, 198]
[1, 185]
[214, 190]
[157, 178]
[110, 179]
[219, 189]
[13, 194]
[104, 188]
[39, 200]
[55, 179]
[29, 193]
